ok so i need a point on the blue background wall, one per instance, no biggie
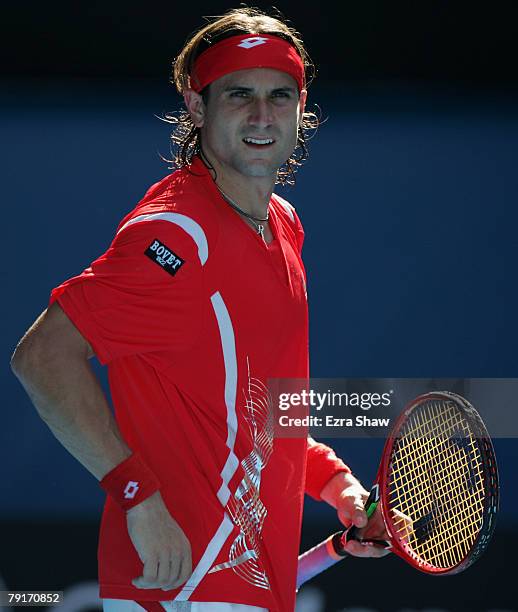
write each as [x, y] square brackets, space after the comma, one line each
[409, 204]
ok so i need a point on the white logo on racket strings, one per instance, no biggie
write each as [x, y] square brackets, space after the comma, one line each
[253, 41]
[131, 489]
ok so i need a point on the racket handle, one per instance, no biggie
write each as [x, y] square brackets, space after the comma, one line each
[332, 550]
[320, 557]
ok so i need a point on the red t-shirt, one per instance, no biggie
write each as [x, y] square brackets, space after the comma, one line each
[192, 313]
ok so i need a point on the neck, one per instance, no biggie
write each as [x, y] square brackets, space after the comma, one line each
[252, 194]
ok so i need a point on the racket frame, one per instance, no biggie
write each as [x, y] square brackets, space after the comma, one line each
[490, 471]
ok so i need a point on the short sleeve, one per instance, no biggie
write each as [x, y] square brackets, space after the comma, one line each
[143, 294]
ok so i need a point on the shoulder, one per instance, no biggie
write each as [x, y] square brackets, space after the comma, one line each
[289, 218]
[284, 207]
[182, 192]
[164, 230]
[177, 207]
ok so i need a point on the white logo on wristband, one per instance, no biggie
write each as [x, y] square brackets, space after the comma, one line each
[131, 489]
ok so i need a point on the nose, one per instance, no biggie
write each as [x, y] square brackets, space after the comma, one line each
[261, 114]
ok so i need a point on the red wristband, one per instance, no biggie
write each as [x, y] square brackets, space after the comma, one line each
[130, 483]
[321, 465]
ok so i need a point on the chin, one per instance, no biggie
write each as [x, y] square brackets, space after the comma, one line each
[259, 168]
[257, 172]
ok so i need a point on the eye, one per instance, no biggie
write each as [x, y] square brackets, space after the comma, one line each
[239, 94]
[281, 94]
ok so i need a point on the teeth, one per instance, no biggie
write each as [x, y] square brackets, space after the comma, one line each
[259, 141]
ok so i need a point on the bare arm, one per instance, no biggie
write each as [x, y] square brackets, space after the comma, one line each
[51, 362]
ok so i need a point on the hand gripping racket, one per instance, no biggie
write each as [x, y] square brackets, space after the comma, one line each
[437, 488]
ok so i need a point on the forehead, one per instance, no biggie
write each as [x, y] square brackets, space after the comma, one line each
[256, 78]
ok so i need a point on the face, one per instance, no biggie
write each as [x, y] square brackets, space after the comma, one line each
[249, 125]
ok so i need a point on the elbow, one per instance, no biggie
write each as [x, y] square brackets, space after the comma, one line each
[51, 342]
[24, 357]
[15, 363]
[19, 359]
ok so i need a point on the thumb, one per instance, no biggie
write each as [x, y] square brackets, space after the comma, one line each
[359, 516]
[351, 512]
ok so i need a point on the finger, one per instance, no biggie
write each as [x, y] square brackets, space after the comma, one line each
[356, 549]
[357, 514]
[377, 552]
[186, 572]
[376, 529]
[176, 571]
[172, 582]
[403, 525]
[182, 577]
[365, 549]
[149, 575]
[351, 511]
[140, 583]
[179, 575]
[177, 567]
[164, 571]
[359, 517]
[344, 517]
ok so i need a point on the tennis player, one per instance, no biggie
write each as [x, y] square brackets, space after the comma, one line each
[198, 301]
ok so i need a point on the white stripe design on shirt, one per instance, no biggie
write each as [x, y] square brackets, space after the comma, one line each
[228, 345]
[190, 226]
[207, 559]
[245, 506]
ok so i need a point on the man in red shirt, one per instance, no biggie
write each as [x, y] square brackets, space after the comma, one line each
[198, 301]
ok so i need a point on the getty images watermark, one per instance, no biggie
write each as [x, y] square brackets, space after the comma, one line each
[368, 407]
[324, 402]
[329, 408]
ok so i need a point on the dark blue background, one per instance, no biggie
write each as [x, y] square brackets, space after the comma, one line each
[408, 202]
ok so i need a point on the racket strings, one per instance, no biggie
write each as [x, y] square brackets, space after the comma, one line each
[437, 482]
[442, 464]
[438, 502]
[428, 531]
[401, 477]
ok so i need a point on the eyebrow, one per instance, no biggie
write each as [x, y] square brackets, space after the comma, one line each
[251, 89]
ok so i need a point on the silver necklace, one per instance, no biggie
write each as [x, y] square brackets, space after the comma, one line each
[258, 222]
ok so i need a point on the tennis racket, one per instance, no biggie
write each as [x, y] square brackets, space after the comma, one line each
[437, 488]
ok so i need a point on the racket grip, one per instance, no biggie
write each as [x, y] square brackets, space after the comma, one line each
[320, 557]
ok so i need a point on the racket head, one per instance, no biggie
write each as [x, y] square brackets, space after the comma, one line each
[439, 469]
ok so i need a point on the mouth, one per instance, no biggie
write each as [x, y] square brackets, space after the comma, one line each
[258, 143]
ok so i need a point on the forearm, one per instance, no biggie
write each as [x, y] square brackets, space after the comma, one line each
[69, 398]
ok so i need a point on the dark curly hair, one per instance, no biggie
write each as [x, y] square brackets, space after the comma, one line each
[246, 20]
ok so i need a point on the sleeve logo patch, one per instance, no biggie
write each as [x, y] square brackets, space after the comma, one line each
[164, 257]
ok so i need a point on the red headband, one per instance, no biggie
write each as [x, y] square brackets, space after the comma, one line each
[243, 52]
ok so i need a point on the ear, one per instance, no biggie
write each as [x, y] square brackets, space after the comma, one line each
[195, 107]
[302, 101]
